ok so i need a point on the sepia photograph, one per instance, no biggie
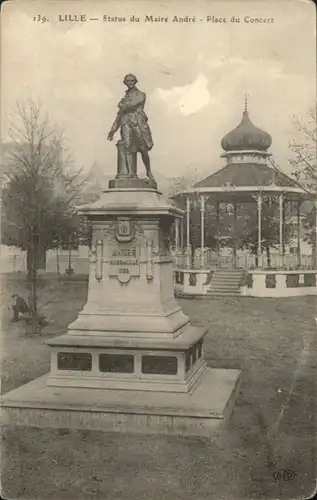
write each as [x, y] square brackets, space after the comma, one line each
[158, 256]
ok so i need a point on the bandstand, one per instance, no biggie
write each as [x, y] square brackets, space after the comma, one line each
[248, 177]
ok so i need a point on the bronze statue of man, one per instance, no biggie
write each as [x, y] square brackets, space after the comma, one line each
[133, 123]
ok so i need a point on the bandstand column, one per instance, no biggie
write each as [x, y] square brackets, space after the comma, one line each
[176, 235]
[298, 235]
[202, 229]
[217, 223]
[259, 201]
[187, 222]
[188, 260]
[315, 260]
[234, 234]
[182, 234]
[281, 206]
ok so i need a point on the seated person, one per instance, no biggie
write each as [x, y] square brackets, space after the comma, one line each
[18, 306]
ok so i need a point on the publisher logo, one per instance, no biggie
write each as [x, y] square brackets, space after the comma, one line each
[284, 475]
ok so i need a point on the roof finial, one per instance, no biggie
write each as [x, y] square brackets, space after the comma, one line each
[246, 101]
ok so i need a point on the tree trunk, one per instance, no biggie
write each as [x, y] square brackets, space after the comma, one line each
[41, 258]
[29, 260]
[57, 262]
[32, 278]
[69, 271]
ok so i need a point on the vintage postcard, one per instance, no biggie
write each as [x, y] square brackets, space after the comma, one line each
[158, 249]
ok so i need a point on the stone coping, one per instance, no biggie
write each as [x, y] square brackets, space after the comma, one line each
[185, 340]
[134, 189]
[131, 202]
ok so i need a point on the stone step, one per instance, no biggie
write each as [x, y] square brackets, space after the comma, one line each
[225, 280]
[231, 290]
[229, 283]
[222, 282]
[229, 271]
[228, 275]
[224, 287]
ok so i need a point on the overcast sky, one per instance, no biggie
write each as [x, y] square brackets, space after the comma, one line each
[194, 75]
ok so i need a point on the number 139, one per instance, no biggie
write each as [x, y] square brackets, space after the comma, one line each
[40, 19]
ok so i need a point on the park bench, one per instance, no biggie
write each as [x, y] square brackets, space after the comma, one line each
[41, 322]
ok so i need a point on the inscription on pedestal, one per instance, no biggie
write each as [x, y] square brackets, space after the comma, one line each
[116, 363]
[79, 361]
[124, 262]
[159, 365]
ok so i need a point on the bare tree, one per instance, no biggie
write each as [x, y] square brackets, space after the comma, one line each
[41, 189]
[304, 163]
[185, 181]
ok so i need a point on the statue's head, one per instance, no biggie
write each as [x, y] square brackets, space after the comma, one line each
[130, 81]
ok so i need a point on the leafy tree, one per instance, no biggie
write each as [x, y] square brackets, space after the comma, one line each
[76, 232]
[226, 232]
[195, 229]
[178, 186]
[247, 227]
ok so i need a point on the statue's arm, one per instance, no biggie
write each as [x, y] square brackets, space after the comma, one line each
[115, 127]
[116, 124]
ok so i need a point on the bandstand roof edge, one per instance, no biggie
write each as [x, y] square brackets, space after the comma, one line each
[243, 174]
[247, 189]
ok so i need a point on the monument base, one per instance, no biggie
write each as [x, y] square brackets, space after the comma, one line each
[196, 413]
[132, 363]
[125, 182]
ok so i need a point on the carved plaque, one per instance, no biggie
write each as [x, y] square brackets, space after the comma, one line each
[116, 363]
[124, 261]
[125, 230]
[79, 361]
[159, 365]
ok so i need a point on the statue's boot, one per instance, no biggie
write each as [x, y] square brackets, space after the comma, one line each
[149, 174]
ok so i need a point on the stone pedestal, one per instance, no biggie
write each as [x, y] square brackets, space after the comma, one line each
[131, 334]
[131, 342]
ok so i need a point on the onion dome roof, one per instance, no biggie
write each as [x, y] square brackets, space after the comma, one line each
[246, 137]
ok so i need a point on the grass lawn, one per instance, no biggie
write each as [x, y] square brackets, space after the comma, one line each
[273, 425]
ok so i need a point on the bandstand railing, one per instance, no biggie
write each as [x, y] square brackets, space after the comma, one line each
[210, 260]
